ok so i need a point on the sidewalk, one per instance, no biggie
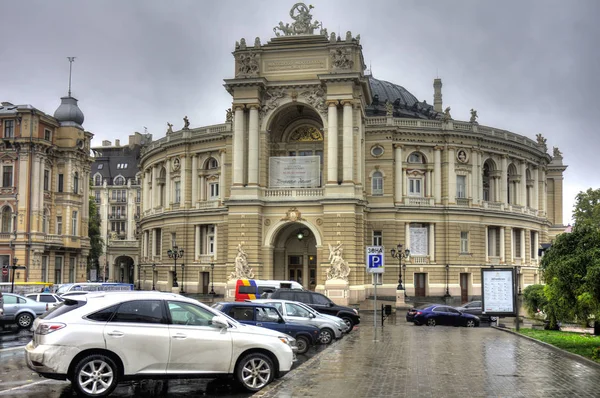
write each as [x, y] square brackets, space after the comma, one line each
[404, 360]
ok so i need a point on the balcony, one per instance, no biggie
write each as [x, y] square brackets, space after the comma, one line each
[117, 216]
[418, 201]
[4, 236]
[275, 194]
[211, 204]
[414, 259]
[463, 202]
[54, 240]
[205, 258]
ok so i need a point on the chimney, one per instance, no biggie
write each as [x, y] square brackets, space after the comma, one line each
[106, 143]
[437, 95]
[117, 142]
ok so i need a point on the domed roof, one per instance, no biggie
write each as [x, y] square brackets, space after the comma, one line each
[68, 113]
[391, 92]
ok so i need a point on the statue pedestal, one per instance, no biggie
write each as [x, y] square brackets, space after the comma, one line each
[338, 290]
[230, 290]
[400, 302]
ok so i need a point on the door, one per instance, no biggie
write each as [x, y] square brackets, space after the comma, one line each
[295, 268]
[196, 345]
[321, 303]
[464, 288]
[452, 316]
[205, 282]
[137, 325]
[420, 281]
[269, 318]
[11, 305]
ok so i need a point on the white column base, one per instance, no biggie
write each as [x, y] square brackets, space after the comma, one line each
[338, 291]
[400, 303]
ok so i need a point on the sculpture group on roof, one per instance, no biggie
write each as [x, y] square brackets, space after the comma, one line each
[302, 24]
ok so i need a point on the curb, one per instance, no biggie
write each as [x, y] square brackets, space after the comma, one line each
[571, 355]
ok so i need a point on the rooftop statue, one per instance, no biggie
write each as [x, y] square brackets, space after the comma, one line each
[186, 123]
[446, 117]
[473, 116]
[389, 108]
[170, 129]
[557, 153]
[302, 24]
[228, 115]
[541, 141]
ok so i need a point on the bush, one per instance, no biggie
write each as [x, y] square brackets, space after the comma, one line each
[534, 299]
[596, 353]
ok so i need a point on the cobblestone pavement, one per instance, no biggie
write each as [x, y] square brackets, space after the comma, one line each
[441, 361]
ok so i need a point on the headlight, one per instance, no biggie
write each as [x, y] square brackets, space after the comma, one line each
[355, 311]
[288, 340]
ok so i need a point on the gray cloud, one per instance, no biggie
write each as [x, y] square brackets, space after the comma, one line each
[528, 67]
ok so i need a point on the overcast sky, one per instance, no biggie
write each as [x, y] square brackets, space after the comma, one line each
[526, 66]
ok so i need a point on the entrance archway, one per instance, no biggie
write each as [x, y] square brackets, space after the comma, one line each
[124, 270]
[295, 254]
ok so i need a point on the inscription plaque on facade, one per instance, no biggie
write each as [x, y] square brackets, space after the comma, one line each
[294, 172]
[418, 241]
[295, 64]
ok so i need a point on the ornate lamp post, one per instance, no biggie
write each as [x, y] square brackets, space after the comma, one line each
[175, 253]
[518, 284]
[212, 276]
[182, 279]
[153, 270]
[14, 269]
[400, 255]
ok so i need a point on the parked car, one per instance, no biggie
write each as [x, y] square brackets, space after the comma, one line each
[436, 314]
[21, 310]
[267, 316]
[320, 303]
[73, 294]
[100, 339]
[339, 321]
[51, 299]
[474, 308]
[296, 312]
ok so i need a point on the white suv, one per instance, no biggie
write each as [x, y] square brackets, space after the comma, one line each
[101, 339]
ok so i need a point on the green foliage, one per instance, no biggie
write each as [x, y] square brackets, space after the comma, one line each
[587, 208]
[534, 299]
[96, 241]
[582, 344]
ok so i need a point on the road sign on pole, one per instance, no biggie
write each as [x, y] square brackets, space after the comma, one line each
[375, 259]
[4, 271]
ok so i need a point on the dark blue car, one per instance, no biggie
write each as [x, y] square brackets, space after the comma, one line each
[267, 316]
[437, 314]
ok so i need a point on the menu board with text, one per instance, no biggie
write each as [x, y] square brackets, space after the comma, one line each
[498, 291]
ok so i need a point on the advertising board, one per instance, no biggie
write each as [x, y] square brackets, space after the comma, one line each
[498, 291]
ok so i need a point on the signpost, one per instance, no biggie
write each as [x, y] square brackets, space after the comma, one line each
[375, 265]
[498, 294]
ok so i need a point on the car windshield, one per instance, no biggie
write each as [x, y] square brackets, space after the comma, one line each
[307, 308]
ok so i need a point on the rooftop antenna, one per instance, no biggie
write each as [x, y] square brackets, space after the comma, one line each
[71, 59]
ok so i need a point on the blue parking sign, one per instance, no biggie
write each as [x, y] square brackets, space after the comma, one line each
[375, 259]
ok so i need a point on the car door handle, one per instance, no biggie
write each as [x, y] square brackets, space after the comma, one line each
[180, 336]
[116, 333]
[258, 324]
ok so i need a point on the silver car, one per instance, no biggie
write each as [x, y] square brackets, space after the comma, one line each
[293, 311]
[21, 310]
[342, 325]
[51, 299]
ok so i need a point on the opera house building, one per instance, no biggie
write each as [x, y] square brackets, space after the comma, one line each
[317, 160]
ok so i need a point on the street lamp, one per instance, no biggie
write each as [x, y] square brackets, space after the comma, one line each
[182, 279]
[400, 255]
[212, 276]
[175, 253]
[518, 268]
[153, 270]
[447, 282]
[14, 268]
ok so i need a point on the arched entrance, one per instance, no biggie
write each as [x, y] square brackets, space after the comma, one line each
[124, 269]
[295, 254]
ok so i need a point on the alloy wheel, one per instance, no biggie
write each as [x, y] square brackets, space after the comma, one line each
[326, 336]
[24, 320]
[431, 322]
[95, 377]
[470, 323]
[256, 372]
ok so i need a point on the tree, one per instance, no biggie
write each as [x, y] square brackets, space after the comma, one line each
[587, 208]
[96, 241]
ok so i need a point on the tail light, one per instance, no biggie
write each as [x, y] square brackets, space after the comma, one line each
[419, 312]
[47, 328]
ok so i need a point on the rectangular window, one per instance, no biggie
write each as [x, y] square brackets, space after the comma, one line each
[7, 176]
[461, 186]
[173, 239]
[44, 268]
[414, 186]
[46, 180]
[464, 242]
[47, 135]
[9, 129]
[58, 265]
[138, 196]
[377, 238]
[61, 179]
[97, 195]
[59, 225]
[157, 242]
[518, 243]
[74, 224]
[214, 190]
[177, 192]
[210, 241]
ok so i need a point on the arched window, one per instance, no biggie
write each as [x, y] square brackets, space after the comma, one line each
[119, 181]
[512, 184]
[377, 183]
[415, 157]
[98, 180]
[6, 219]
[76, 183]
[213, 164]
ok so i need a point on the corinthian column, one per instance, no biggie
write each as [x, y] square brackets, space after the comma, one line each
[238, 146]
[348, 145]
[437, 174]
[194, 179]
[253, 145]
[398, 174]
[504, 180]
[523, 187]
[332, 143]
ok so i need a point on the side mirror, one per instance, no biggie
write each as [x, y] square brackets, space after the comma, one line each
[331, 304]
[281, 320]
[220, 322]
[311, 315]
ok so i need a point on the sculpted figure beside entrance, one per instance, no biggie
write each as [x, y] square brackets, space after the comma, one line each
[242, 269]
[339, 267]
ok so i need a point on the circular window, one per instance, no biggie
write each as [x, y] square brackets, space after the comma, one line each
[377, 151]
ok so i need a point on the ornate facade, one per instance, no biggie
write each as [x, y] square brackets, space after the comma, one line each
[44, 195]
[316, 153]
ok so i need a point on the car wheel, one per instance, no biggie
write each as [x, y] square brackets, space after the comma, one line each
[24, 320]
[348, 321]
[470, 323]
[303, 344]
[431, 322]
[95, 376]
[255, 371]
[326, 336]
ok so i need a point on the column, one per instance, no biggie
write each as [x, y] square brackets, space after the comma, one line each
[522, 254]
[437, 174]
[543, 190]
[512, 245]
[432, 243]
[203, 188]
[253, 146]
[451, 177]
[536, 246]
[145, 191]
[523, 188]
[475, 177]
[348, 144]
[41, 191]
[536, 189]
[332, 143]
[305, 278]
[152, 248]
[504, 180]
[360, 143]
[184, 201]
[407, 235]
[153, 199]
[222, 174]
[168, 184]
[197, 243]
[398, 174]
[428, 178]
[194, 179]
[35, 183]
[487, 246]
[502, 246]
[238, 146]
